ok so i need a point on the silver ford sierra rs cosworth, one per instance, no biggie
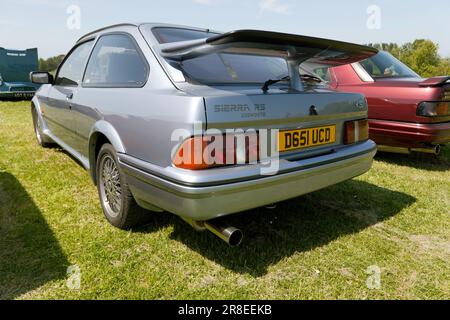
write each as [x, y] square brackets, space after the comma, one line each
[202, 124]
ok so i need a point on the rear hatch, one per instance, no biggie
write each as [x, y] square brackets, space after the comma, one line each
[229, 71]
[250, 109]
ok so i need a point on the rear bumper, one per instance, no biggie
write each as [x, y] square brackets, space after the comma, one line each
[408, 134]
[26, 95]
[200, 202]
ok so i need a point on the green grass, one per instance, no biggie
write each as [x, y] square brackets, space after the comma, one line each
[396, 217]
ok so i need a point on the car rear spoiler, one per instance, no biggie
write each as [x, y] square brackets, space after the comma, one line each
[435, 82]
[294, 47]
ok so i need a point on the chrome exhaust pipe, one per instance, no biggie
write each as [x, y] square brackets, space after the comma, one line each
[436, 150]
[230, 235]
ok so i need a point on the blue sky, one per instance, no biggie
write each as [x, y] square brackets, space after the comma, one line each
[43, 23]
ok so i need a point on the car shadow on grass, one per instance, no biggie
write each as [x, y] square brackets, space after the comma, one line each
[30, 255]
[297, 225]
[421, 161]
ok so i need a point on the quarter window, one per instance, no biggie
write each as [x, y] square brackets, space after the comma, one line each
[71, 71]
[116, 62]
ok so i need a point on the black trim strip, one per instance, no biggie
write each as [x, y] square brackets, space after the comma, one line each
[250, 178]
[108, 27]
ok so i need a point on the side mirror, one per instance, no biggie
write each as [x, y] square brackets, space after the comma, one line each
[39, 77]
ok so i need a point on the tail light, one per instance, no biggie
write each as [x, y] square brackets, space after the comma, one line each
[445, 93]
[205, 152]
[356, 131]
[434, 109]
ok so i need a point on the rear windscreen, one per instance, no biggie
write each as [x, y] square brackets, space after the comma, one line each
[228, 68]
[222, 68]
[384, 65]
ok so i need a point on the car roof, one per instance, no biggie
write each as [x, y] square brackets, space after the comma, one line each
[137, 25]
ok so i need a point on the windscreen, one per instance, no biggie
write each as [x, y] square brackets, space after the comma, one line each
[384, 65]
[222, 68]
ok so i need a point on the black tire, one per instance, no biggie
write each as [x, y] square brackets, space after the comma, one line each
[42, 140]
[118, 204]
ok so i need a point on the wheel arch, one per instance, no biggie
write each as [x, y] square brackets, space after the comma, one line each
[34, 104]
[102, 132]
[36, 108]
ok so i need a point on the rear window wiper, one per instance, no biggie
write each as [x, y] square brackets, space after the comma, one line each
[270, 82]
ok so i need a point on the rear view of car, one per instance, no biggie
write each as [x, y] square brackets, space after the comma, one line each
[406, 112]
[15, 67]
[203, 124]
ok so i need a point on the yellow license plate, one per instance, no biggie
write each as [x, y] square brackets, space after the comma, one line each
[305, 138]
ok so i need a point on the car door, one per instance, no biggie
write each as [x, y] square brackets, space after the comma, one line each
[116, 68]
[57, 114]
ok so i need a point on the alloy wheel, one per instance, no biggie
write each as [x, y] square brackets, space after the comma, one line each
[110, 187]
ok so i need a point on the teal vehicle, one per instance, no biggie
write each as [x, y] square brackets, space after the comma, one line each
[15, 68]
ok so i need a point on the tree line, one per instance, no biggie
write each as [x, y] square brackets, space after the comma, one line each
[50, 64]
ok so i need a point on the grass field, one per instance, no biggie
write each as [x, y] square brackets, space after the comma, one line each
[326, 245]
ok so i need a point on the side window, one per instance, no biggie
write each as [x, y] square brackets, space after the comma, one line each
[116, 62]
[71, 72]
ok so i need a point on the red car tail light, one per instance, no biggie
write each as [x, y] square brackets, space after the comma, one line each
[356, 131]
[445, 94]
[199, 153]
[434, 109]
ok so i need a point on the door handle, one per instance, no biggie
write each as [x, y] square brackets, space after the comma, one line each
[69, 96]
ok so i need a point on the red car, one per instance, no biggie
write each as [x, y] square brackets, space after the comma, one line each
[406, 112]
